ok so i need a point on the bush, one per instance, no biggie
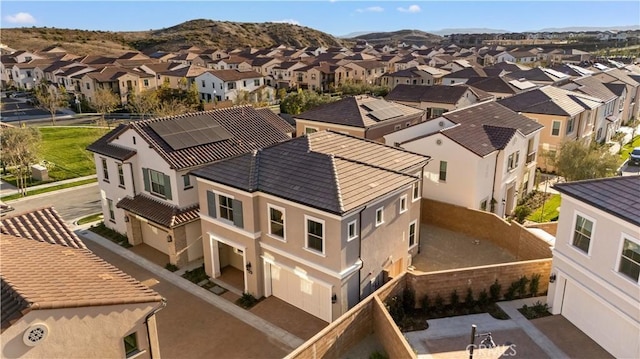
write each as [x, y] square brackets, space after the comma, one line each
[425, 302]
[495, 290]
[511, 291]
[521, 213]
[538, 310]
[171, 267]
[247, 300]
[483, 299]
[378, 355]
[534, 285]
[522, 286]
[454, 299]
[438, 304]
[468, 300]
[196, 275]
[408, 299]
[395, 309]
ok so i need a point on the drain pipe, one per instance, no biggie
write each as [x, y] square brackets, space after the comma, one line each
[146, 323]
[360, 252]
[493, 185]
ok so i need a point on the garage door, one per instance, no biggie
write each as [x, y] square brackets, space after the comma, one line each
[310, 296]
[155, 238]
[599, 321]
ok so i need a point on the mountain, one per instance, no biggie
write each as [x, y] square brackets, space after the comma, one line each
[410, 37]
[202, 33]
[470, 30]
[354, 34]
[588, 28]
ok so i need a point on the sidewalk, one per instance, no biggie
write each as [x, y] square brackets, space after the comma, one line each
[7, 189]
[273, 332]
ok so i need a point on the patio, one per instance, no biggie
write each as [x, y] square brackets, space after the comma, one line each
[442, 249]
[286, 316]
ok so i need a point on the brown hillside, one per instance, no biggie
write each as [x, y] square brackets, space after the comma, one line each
[410, 37]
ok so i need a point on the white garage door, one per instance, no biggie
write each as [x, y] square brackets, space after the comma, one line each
[599, 321]
[155, 238]
[312, 297]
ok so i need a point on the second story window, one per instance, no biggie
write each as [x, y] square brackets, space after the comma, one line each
[226, 207]
[442, 176]
[555, 129]
[403, 204]
[105, 170]
[379, 216]
[276, 222]
[256, 82]
[315, 234]
[352, 230]
[630, 259]
[582, 233]
[412, 234]
[570, 125]
[157, 183]
[131, 345]
[186, 182]
[120, 175]
[415, 191]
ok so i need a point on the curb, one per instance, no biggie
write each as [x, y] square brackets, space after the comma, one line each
[18, 200]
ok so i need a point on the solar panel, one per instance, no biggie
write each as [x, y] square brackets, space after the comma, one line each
[377, 105]
[386, 113]
[189, 132]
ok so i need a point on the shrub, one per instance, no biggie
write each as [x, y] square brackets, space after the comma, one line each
[494, 291]
[378, 355]
[438, 304]
[511, 291]
[247, 300]
[538, 310]
[521, 213]
[534, 285]
[483, 299]
[395, 308]
[171, 267]
[408, 299]
[454, 299]
[522, 286]
[468, 300]
[425, 302]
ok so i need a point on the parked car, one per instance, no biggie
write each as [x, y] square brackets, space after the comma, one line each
[634, 156]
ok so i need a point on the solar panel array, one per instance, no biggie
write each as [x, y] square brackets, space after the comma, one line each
[382, 110]
[189, 132]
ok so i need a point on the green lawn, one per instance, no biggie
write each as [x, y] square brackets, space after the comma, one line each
[48, 189]
[626, 149]
[550, 210]
[65, 147]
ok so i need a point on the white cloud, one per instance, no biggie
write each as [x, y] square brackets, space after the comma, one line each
[20, 18]
[287, 21]
[371, 9]
[411, 9]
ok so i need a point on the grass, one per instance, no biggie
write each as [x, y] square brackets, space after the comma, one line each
[91, 218]
[626, 149]
[550, 211]
[196, 275]
[48, 189]
[538, 310]
[65, 147]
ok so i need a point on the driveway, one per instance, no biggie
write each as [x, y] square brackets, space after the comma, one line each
[628, 169]
[192, 328]
[71, 203]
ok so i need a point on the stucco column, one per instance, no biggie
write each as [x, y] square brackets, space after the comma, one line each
[178, 247]
[134, 230]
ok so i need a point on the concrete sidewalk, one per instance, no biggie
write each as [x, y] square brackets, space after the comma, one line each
[7, 189]
[273, 332]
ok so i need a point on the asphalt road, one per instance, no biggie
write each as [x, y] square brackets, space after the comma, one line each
[71, 204]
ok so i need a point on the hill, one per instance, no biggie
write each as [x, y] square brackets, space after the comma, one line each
[410, 37]
[201, 33]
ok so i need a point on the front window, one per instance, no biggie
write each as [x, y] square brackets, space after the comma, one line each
[403, 204]
[308, 130]
[186, 181]
[443, 171]
[315, 235]
[582, 233]
[105, 170]
[226, 207]
[555, 130]
[130, 345]
[112, 215]
[158, 185]
[630, 260]
[276, 222]
[231, 85]
[379, 216]
[416, 191]
[120, 175]
[352, 231]
[256, 82]
[570, 125]
[412, 234]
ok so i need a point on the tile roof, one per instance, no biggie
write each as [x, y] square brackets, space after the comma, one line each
[492, 84]
[616, 195]
[419, 93]
[104, 146]
[159, 212]
[249, 130]
[44, 225]
[486, 127]
[234, 75]
[320, 171]
[353, 111]
[39, 275]
[467, 72]
[551, 101]
[277, 121]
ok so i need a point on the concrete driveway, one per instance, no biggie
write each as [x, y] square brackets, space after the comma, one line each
[628, 169]
[192, 328]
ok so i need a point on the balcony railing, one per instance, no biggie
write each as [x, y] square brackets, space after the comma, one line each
[531, 157]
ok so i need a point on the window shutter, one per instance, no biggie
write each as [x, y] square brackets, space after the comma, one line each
[237, 214]
[211, 204]
[145, 175]
[167, 186]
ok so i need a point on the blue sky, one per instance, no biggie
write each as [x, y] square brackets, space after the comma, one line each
[337, 17]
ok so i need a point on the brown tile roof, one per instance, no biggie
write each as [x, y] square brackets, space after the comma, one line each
[321, 175]
[104, 146]
[353, 111]
[38, 276]
[277, 121]
[234, 75]
[249, 130]
[44, 225]
[419, 93]
[159, 212]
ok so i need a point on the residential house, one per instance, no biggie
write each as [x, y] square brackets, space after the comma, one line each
[121, 81]
[500, 87]
[540, 76]
[143, 172]
[423, 75]
[55, 292]
[596, 262]
[180, 77]
[232, 85]
[283, 74]
[318, 221]
[631, 108]
[234, 63]
[361, 116]
[565, 115]
[366, 72]
[437, 99]
[483, 156]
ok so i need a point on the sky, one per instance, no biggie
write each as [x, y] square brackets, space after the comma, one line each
[336, 17]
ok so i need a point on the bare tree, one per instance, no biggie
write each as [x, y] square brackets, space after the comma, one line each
[144, 102]
[50, 99]
[20, 151]
[105, 101]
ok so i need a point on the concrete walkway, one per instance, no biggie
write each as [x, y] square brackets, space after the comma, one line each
[245, 316]
[7, 189]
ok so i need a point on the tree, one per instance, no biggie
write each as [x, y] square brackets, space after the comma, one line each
[19, 151]
[301, 101]
[577, 160]
[144, 102]
[49, 99]
[105, 101]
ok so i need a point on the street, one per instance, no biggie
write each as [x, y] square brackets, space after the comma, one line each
[71, 204]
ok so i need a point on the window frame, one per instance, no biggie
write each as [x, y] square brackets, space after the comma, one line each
[353, 223]
[105, 169]
[307, 128]
[308, 218]
[402, 205]
[415, 189]
[120, 175]
[553, 129]
[379, 222]
[625, 237]
[186, 182]
[570, 125]
[441, 177]
[229, 207]
[135, 350]
[415, 234]
[112, 211]
[573, 233]
[284, 217]
[159, 175]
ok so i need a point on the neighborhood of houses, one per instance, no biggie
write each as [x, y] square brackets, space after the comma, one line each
[330, 210]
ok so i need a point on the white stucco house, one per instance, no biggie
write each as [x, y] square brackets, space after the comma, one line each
[220, 85]
[596, 262]
[483, 156]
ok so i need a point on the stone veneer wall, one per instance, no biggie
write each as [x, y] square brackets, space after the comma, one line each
[482, 225]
